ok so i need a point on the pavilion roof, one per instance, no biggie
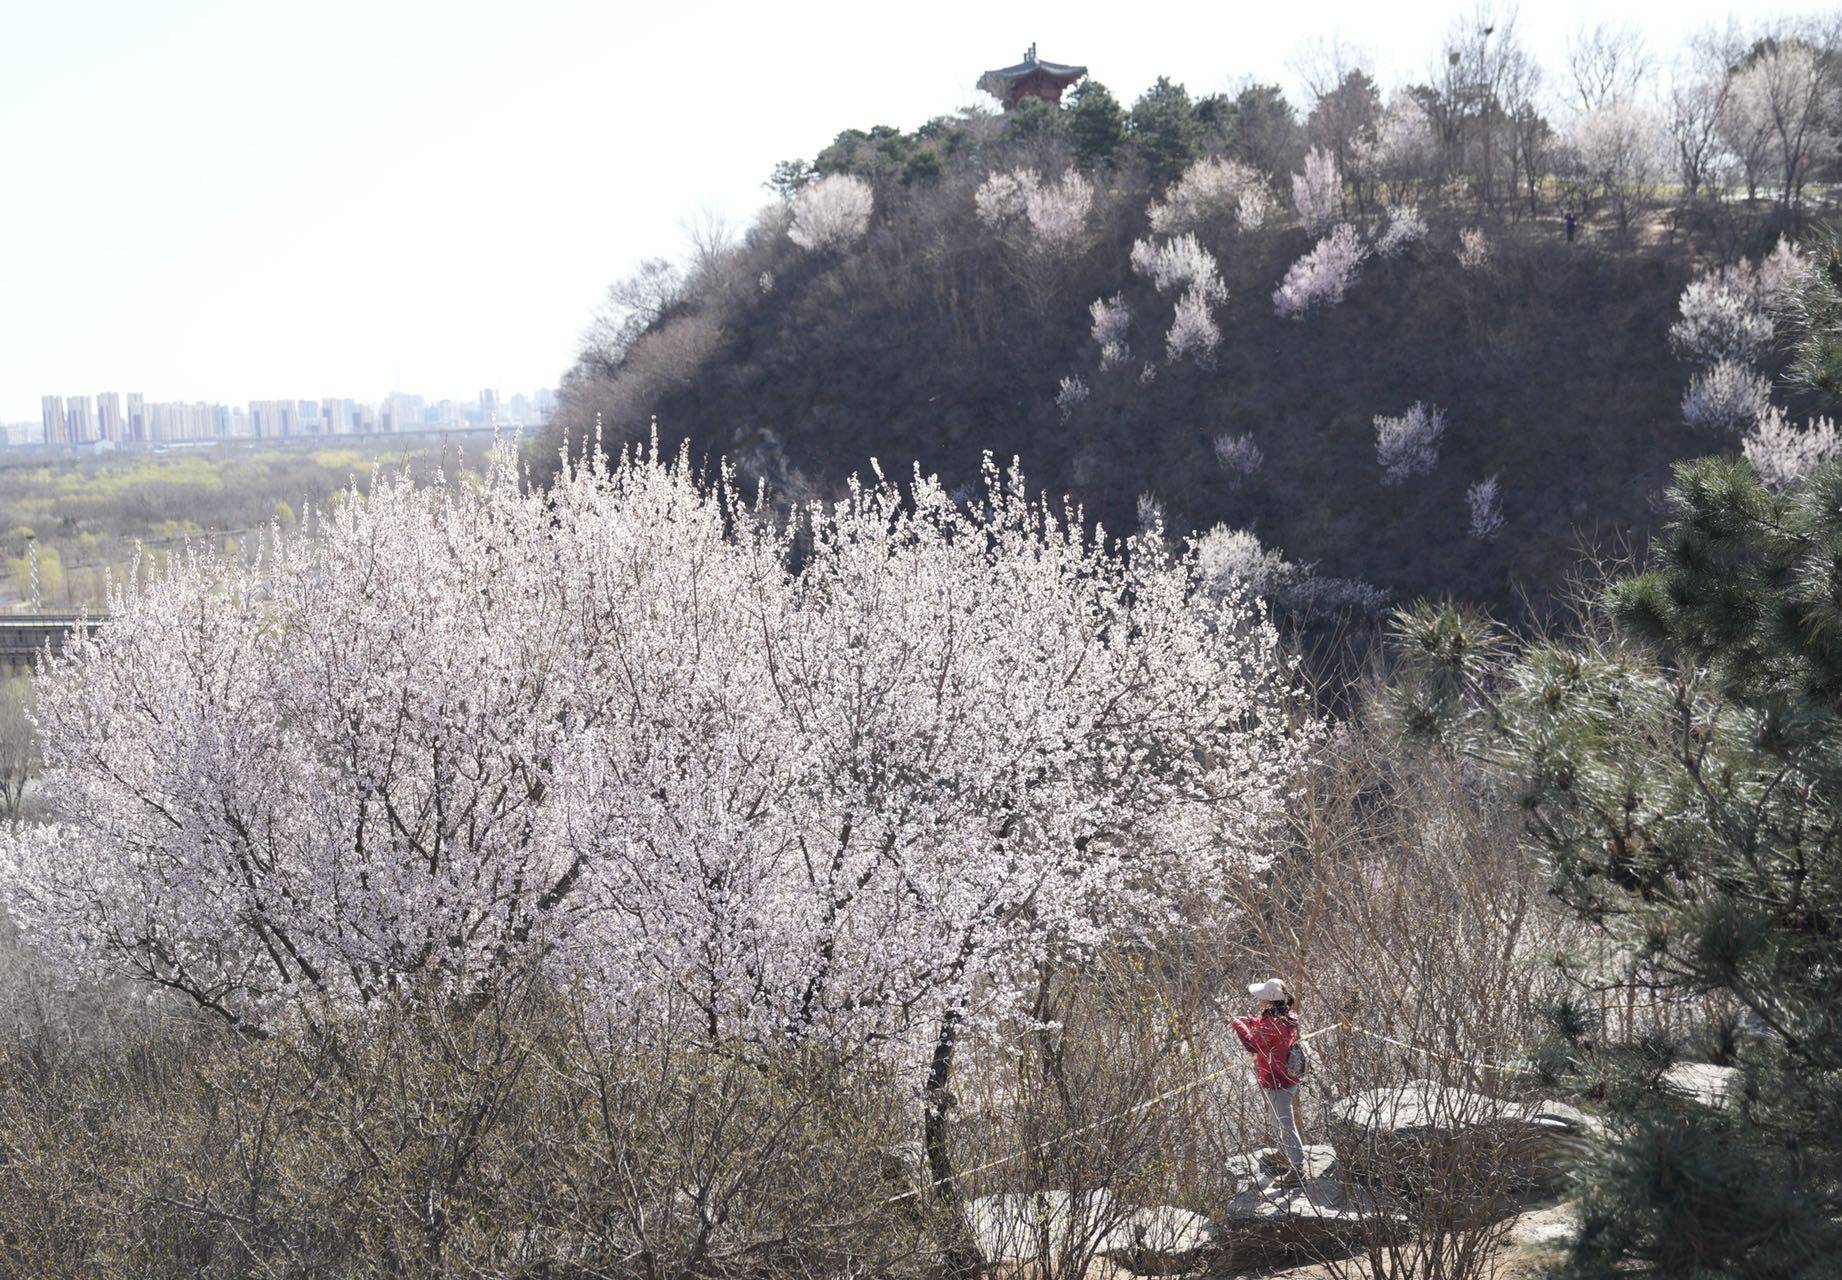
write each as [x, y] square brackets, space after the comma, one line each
[993, 82]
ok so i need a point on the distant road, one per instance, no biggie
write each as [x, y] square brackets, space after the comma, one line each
[23, 636]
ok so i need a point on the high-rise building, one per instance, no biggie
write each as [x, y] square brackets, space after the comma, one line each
[109, 416]
[137, 419]
[57, 431]
[81, 417]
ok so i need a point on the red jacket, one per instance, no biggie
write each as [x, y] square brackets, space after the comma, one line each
[1269, 1037]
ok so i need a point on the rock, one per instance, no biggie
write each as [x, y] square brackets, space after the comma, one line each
[1263, 1225]
[1260, 1167]
[1422, 1133]
[1704, 1082]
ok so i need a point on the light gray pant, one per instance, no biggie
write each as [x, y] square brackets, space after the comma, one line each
[1280, 1101]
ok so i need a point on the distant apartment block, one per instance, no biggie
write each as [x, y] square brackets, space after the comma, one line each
[80, 414]
[57, 431]
[109, 416]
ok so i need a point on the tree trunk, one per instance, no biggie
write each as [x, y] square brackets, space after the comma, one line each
[963, 1259]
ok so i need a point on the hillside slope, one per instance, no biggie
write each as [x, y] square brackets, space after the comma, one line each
[936, 336]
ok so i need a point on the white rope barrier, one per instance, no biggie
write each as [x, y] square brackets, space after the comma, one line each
[1178, 1091]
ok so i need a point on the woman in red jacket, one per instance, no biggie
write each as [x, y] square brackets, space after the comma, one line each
[1270, 1035]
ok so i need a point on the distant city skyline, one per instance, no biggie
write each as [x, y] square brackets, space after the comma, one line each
[204, 193]
[104, 419]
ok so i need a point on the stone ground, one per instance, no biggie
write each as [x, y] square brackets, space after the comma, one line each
[1525, 1255]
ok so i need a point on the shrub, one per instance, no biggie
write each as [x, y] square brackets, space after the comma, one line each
[1317, 192]
[1213, 188]
[1322, 276]
[1408, 446]
[1719, 323]
[1484, 504]
[1180, 263]
[832, 212]
[1782, 455]
[1725, 397]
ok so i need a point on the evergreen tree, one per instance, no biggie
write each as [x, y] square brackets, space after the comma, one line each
[1814, 315]
[1096, 124]
[1681, 772]
[1163, 124]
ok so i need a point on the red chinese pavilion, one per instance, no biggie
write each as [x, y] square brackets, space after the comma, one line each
[1031, 78]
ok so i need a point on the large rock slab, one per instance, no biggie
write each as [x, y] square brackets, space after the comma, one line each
[1425, 1133]
[1267, 1224]
[1703, 1082]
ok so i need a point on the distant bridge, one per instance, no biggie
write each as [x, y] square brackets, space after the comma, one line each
[23, 636]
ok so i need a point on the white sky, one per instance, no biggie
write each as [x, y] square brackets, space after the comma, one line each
[250, 199]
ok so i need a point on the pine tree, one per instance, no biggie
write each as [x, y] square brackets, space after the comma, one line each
[1096, 124]
[1680, 768]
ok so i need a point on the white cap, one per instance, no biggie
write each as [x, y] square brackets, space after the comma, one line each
[1271, 989]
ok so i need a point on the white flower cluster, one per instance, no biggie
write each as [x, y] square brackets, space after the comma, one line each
[1112, 318]
[1239, 457]
[1719, 322]
[1179, 263]
[1071, 396]
[1473, 249]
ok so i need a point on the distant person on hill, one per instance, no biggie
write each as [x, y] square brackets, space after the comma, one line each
[1569, 220]
[1271, 1035]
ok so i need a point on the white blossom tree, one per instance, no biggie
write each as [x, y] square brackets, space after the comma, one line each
[1179, 264]
[1213, 189]
[1726, 396]
[1484, 507]
[1783, 454]
[1408, 445]
[832, 213]
[1406, 226]
[1193, 335]
[1317, 192]
[843, 778]
[1112, 320]
[1322, 276]
[1719, 322]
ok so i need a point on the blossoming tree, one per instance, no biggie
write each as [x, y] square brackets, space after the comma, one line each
[845, 777]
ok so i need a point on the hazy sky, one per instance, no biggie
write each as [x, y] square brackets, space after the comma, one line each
[234, 200]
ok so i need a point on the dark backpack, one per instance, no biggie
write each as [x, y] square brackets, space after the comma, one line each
[1298, 1063]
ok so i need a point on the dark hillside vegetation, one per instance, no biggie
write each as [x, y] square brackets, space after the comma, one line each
[934, 338]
